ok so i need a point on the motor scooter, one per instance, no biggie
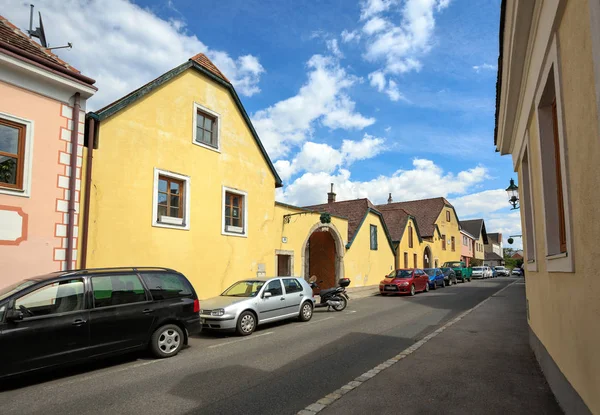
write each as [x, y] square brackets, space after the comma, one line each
[336, 298]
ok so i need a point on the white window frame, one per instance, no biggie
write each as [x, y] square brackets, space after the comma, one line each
[187, 198]
[224, 231]
[201, 108]
[28, 156]
[527, 203]
[563, 262]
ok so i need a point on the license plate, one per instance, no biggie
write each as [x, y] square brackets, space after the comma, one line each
[391, 288]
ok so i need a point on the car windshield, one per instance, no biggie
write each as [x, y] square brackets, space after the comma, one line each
[499, 268]
[430, 271]
[477, 268]
[453, 264]
[401, 273]
[11, 289]
[244, 289]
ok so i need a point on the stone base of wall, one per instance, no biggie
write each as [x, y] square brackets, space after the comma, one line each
[567, 397]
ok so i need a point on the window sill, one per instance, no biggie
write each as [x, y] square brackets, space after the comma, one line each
[559, 263]
[14, 192]
[557, 256]
[225, 232]
[183, 227]
[209, 147]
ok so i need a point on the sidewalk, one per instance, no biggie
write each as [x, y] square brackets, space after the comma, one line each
[482, 364]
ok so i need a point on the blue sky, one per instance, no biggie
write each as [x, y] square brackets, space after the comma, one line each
[376, 96]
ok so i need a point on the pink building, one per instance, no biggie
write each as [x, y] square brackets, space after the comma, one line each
[467, 247]
[42, 109]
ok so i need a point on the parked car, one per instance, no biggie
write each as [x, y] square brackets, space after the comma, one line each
[449, 275]
[479, 272]
[501, 271]
[72, 316]
[436, 278]
[516, 271]
[463, 273]
[249, 303]
[404, 281]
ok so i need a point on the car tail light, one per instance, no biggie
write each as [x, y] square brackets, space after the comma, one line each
[196, 306]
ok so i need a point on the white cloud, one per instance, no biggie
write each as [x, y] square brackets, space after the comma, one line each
[442, 4]
[484, 202]
[320, 157]
[425, 179]
[378, 80]
[484, 66]
[123, 45]
[507, 223]
[323, 97]
[372, 7]
[374, 25]
[393, 91]
[332, 45]
[348, 36]
[388, 129]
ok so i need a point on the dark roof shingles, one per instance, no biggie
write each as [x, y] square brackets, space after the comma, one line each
[353, 210]
[472, 226]
[426, 212]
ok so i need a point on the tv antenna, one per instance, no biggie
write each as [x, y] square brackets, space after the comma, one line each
[39, 32]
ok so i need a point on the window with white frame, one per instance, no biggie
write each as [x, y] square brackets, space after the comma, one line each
[235, 212]
[527, 207]
[206, 128]
[171, 200]
[373, 236]
[16, 137]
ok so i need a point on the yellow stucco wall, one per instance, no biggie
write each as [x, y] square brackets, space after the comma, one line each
[365, 266]
[450, 229]
[564, 308]
[479, 253]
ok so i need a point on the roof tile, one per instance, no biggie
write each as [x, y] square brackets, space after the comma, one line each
[426, 211]
[354, 210]
[206, 63]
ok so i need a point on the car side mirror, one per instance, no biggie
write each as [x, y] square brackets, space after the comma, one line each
[267, 294]
[14, 315]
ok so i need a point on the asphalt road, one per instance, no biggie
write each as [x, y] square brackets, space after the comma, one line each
[280, 369]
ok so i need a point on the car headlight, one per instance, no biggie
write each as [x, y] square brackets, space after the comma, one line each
[218, 312]
[404, 284]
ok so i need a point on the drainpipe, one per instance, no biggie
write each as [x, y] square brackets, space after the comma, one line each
[72, 181]
[88, 189]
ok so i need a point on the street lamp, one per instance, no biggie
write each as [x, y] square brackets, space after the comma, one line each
[513, 194]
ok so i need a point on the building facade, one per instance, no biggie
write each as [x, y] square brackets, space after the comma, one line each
[547, 119]
[467, 249]
[42, 106]
[476, 228]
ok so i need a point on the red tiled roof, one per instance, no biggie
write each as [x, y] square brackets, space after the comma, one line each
[11, 35]
[395, 220]
[206, 63]
[353, 210]
[426, 212]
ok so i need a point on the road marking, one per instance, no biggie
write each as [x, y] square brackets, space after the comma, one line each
[240, 340]
[327, 400]
[351, 311]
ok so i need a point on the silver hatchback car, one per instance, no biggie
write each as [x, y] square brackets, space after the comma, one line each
[255, 301]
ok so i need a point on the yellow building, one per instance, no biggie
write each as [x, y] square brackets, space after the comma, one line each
[426, 232]
[547, 119]
[476, 228]
[179, 179]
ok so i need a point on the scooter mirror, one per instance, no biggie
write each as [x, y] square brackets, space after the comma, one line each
[312, 279]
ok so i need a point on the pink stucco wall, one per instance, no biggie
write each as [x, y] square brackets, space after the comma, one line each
[35, 253]
[464, 249]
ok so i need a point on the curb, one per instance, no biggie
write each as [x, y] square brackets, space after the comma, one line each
[327, 400]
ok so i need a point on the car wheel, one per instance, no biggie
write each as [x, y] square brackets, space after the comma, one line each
[449, 282]
[427, 287]
[306, 311]
[246, 323]
[412, 290]
[443, 284]
[166, 341]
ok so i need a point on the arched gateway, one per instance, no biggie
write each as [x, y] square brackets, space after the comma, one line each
[427, 257]
[323, 255]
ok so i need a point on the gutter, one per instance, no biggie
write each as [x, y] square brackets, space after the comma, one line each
[46, 64]
[72, 181]
[91, 142]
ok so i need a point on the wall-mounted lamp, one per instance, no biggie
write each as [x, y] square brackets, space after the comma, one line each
[513, 194]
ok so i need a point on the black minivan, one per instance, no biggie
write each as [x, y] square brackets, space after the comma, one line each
[71, 316]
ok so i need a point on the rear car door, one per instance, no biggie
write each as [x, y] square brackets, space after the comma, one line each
[273, 306]
[294, 294]
[423, 279]
[122, 316]
[54, 329]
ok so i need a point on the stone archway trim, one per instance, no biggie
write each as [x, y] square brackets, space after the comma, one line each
[339, 249]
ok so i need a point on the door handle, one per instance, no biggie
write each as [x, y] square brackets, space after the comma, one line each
[301, 295]
[148, 311]
[79, 322]
[282, 299]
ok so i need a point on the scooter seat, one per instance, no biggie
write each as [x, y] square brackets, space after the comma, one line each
[327, 291]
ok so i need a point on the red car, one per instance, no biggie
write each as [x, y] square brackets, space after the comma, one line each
[404, 281]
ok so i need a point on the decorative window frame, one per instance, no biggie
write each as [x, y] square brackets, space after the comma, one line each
[563, 262]
[529, 223]
[28, 157]
[201, 108]
[224, 231]
[187, 200]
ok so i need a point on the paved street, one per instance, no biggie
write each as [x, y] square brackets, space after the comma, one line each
[280, 369]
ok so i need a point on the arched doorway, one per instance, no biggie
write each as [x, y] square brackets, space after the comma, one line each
[427, 257]
[323, 254]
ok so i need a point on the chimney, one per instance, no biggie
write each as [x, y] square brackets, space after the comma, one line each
[331, 195]
[390, 200]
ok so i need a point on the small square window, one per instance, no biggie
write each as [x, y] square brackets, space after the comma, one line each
[234, 212]
[12, 154]
[206, 128]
